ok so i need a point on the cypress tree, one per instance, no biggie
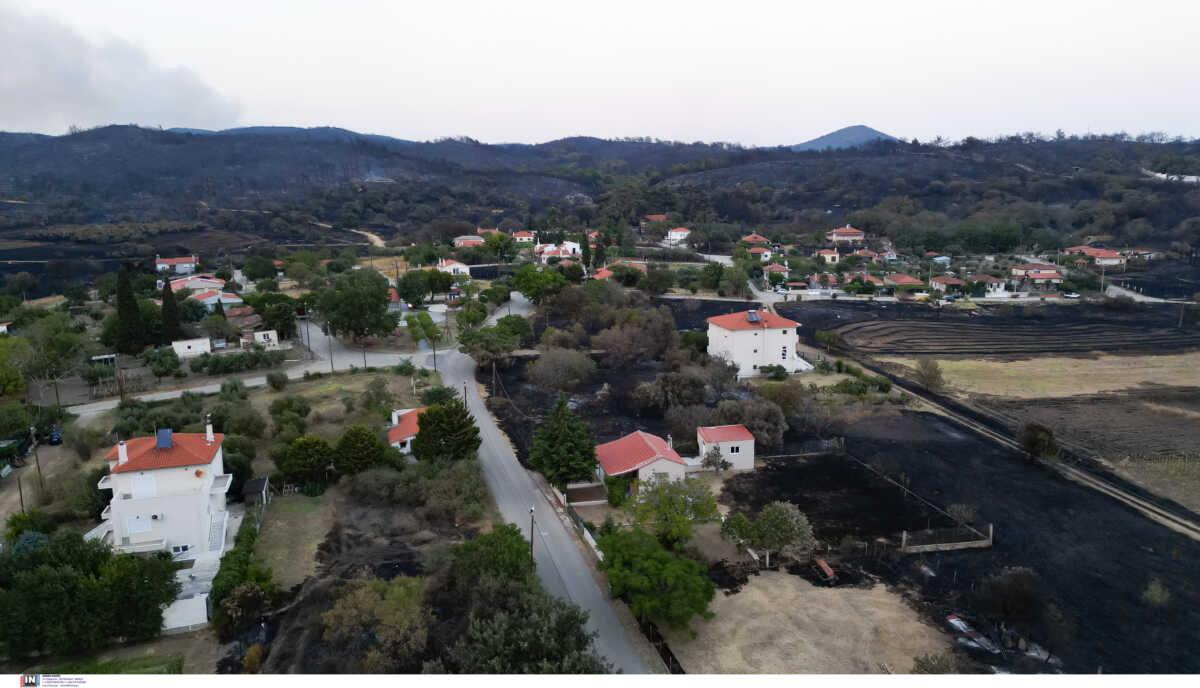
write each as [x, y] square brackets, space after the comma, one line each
[171, 329]
[129, 319]
[585, 251]
[219, 308]
[563, 449]
[447, 433]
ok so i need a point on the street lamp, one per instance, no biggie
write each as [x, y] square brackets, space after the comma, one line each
[531, 539]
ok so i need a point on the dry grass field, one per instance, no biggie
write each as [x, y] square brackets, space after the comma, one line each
[1037, 378]
[782, 624]
[292, 529]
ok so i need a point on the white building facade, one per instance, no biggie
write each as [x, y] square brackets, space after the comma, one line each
[752, 339]
[734, 442]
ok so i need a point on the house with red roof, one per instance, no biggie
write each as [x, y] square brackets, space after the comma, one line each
[755, 238]
[523, 237]
[777, 268]
[994, 286]
[734, 443]
[1044, 278]
[761, 252]
[168, 494]
[453, 267]
[468, 241]
[211, 298]
[655, 218]
[846, 235]
[867, 254]
[486, 232]
[184, 265]
[1026, 268]
[404, 428]
[752, 339]
[829, 255]
[901, 280]
[942, 282]
[606, 271]
[678, 236]
[649, 457]
[198, 282]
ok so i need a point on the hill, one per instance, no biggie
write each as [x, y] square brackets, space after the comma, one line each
[846, 137]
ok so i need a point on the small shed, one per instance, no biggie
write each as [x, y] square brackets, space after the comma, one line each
[257, 491]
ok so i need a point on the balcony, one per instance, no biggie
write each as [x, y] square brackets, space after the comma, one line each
[143, 546]
[105, 483]
[221, 484]
[107, 513]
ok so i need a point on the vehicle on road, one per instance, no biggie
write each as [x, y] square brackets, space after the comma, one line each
[55, 437]
[1070, 295]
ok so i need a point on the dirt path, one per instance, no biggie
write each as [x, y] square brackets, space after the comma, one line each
[782, 624]
[375, 239]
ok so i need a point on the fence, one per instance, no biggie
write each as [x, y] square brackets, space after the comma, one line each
[945, 539]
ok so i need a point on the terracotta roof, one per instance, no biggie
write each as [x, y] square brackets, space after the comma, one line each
[200, 296]
[724, 433]
[174, 261]
[634, 451]
[775, 267]
[846, 231]
[393, 295]
[449, 262]
[656, 218]
[946, 279]
[406, 428]
[741, 321]
[759, 249]
[755, 238]
[1104, 253]
[1044, 275]
[187, 449]
[602, 273]
[827, 252]
[523, 234]
[481, 231]
[900, 280]
[677, 230]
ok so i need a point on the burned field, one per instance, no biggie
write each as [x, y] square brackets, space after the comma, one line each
[691, 314]
[1165, 279]
[1015, 331]
[1095, 558]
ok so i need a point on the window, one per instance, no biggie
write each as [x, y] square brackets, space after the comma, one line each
[734, 449]
[756, 351]
[179, 549]
[783, 355]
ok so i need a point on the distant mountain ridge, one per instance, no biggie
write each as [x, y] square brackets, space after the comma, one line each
[846, 137]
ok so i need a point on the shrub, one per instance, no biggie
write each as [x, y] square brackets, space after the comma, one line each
[773, 372]
[561, 369]
[929, 374]
[405, 368]
[437, 395]
[277, 380]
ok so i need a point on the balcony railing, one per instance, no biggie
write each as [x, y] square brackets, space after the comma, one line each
[105, 483]
[221, 483]
[107, 513]
[144, 546]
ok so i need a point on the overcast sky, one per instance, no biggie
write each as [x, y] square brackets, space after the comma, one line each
[753, 72]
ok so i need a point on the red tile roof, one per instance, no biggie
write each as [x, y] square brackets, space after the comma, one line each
[901, 280]
[187, 449]
[174, 261]
[602, 273]
[1025, 267]
[755, 238]
[741, 321]
[656, 218]
[634, 451]
[1044, 275]
[523, 234]
[845, 231]
[393, 295]
[827, 252]
[677, 230]
[946, 279]
[406, 428]
[200, 296]
[759, 250]
[724, 433]
[775, 267]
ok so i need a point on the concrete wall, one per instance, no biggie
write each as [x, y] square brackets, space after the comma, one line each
[674, 471]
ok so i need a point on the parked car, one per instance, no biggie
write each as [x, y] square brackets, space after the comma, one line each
[55, 437]
[1070, 295]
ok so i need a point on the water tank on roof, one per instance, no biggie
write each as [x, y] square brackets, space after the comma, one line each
[163, 439]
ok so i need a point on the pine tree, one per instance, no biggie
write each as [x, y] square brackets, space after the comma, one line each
[601, 254]
[129, 319]
[563, 449]
[446, 432]
[171, 329]
[219, 308]
[585, 251]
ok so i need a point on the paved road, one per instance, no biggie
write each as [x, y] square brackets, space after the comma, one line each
[723, 260]
[560, 565]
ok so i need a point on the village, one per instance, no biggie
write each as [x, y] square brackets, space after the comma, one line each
[848, 458]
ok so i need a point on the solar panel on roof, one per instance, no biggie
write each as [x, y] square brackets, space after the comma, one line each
[753, 316]
[163, 439]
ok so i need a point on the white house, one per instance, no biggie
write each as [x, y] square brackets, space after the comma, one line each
[200, 282]
[762, 253]
[404, 429]
[468, 240]
[267, 339]
[941, 282]
[4, 327]
[751, 339]
[190, 348]
[845, 235]
[523, 237]
[453, 267]
[168, 493]
[829, 255]
[645, 455]
[995, 285]
[211, 298]
[184, 265]
[678, 236]
[734, 442]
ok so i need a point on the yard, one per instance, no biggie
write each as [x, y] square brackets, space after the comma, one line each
[782, 624]
[293, 527]
[187, 653]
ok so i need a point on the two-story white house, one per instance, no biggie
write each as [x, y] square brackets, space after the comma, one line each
[752, 339]
[677, 236]
[404, 428]
[453, 267]
[995, 286]
[168, 494]
[845, 235]
[734, 442]
[184, 265]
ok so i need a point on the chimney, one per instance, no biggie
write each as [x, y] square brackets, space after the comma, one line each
[122, 452]
[395, 417]
[670, 442]
[208, 430]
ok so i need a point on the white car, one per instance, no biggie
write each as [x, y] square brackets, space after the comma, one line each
[1070, 295]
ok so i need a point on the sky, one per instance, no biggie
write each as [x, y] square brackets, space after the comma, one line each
[751, 72]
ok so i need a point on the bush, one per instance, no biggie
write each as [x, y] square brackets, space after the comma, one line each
[277, 380]
[437, 395]
[561, 369]
[773, 372]
[405, 368]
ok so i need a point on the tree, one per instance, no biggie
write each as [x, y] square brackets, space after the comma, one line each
[538, 285]
[421, 326]
[412, 287]
[828, 338]
[711, 274]
[307, 458]
[437, 394]
[714, 461]
[929, 374]
[563, 449]
[357, 306]
[544, 635]
[515, 325]
[129, 332]
[471, 314]
[658, 281]
[386, 621]
[54, 349]
[259, 268]
[1038, 441]
[162, 362]
[659, 586]
[561, 369]
[668, 508]
[171, 328]
[502, 553]
[14, 351]
[448, 433]
[20, 283]
[280, 317]
[487, 344]
[357, 449]
[585, 251]
[781, 526]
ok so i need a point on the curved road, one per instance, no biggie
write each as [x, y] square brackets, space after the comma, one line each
[560, 564]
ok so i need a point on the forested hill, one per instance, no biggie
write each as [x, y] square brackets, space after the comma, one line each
[1037, 189]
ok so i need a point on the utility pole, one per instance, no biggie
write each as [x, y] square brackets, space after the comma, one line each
[37, 460]
[530, 536]
[1181, 307]
[21, 493]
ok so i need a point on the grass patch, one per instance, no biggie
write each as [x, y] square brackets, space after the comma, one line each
[292, 529]
[137, 665]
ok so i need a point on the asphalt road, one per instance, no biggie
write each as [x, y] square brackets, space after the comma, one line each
[560, 565]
